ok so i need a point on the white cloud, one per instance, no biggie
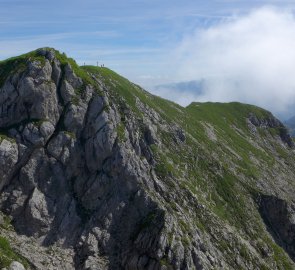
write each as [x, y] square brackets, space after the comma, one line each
[249, 58]
[173, 94]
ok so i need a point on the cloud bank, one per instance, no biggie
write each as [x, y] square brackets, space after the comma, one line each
[249, 58]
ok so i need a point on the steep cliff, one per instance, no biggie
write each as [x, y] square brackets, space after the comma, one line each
[96, 173]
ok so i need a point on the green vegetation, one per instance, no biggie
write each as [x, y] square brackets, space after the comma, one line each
[7, 255]
[164, 262]
[70, 134]
[221, 169]
[3, 136]
[6, 224]
[244, 252]
[164, 166]
[121, 132]
[121, 88]
[205, 164]
[79, 71]
[280, 258]
[18, 64]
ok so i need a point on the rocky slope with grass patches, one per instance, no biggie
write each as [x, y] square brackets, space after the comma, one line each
[96, 173]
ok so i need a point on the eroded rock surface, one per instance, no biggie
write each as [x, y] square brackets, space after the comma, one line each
[93, 179]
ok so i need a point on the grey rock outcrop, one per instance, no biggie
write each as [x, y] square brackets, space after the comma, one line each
[279, 216]
[8, 159]
[16, 266]
[93, 179]
[71, 182]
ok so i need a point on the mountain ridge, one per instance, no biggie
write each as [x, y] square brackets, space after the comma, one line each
[97, 173]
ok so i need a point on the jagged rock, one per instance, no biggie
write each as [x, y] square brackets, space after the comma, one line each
[37, 135]
[270, 122]
[60, 146]
[67, 92]
[37, 214]
[8, 159]
[56, 72]
[74, 117]
[49, 54]
[99, 143]
[280, 219]
[16, 266]
[71, 77]
[32, 99]
[96, 173]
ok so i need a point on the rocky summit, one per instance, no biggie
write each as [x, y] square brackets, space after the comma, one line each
[96, 173]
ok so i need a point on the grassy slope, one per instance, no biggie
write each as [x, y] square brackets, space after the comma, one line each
[7, 254]
[224, 175]
[220, 173]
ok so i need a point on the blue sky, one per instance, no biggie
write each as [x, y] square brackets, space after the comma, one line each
[139, 39]
[129, 36]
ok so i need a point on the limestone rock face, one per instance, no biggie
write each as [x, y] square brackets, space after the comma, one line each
[31, 97]
[8, 159]
[66, 180]
[280, 218]
[96, 173]
[16, 266]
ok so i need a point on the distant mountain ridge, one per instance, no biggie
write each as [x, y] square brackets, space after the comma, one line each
[97, 173]
[197, 86]
[184, 92]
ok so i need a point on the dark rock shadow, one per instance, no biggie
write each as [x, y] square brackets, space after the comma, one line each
[279, 218]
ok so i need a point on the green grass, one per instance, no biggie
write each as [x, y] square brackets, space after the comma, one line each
[220, 173]
[164, 262]
[7, 255]
[203, 175]
[122, 88]
[6, 224]
[79, 71]
[4, 136]
[280, 258]
[18, 64]
[121, 132]
[163, 167]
